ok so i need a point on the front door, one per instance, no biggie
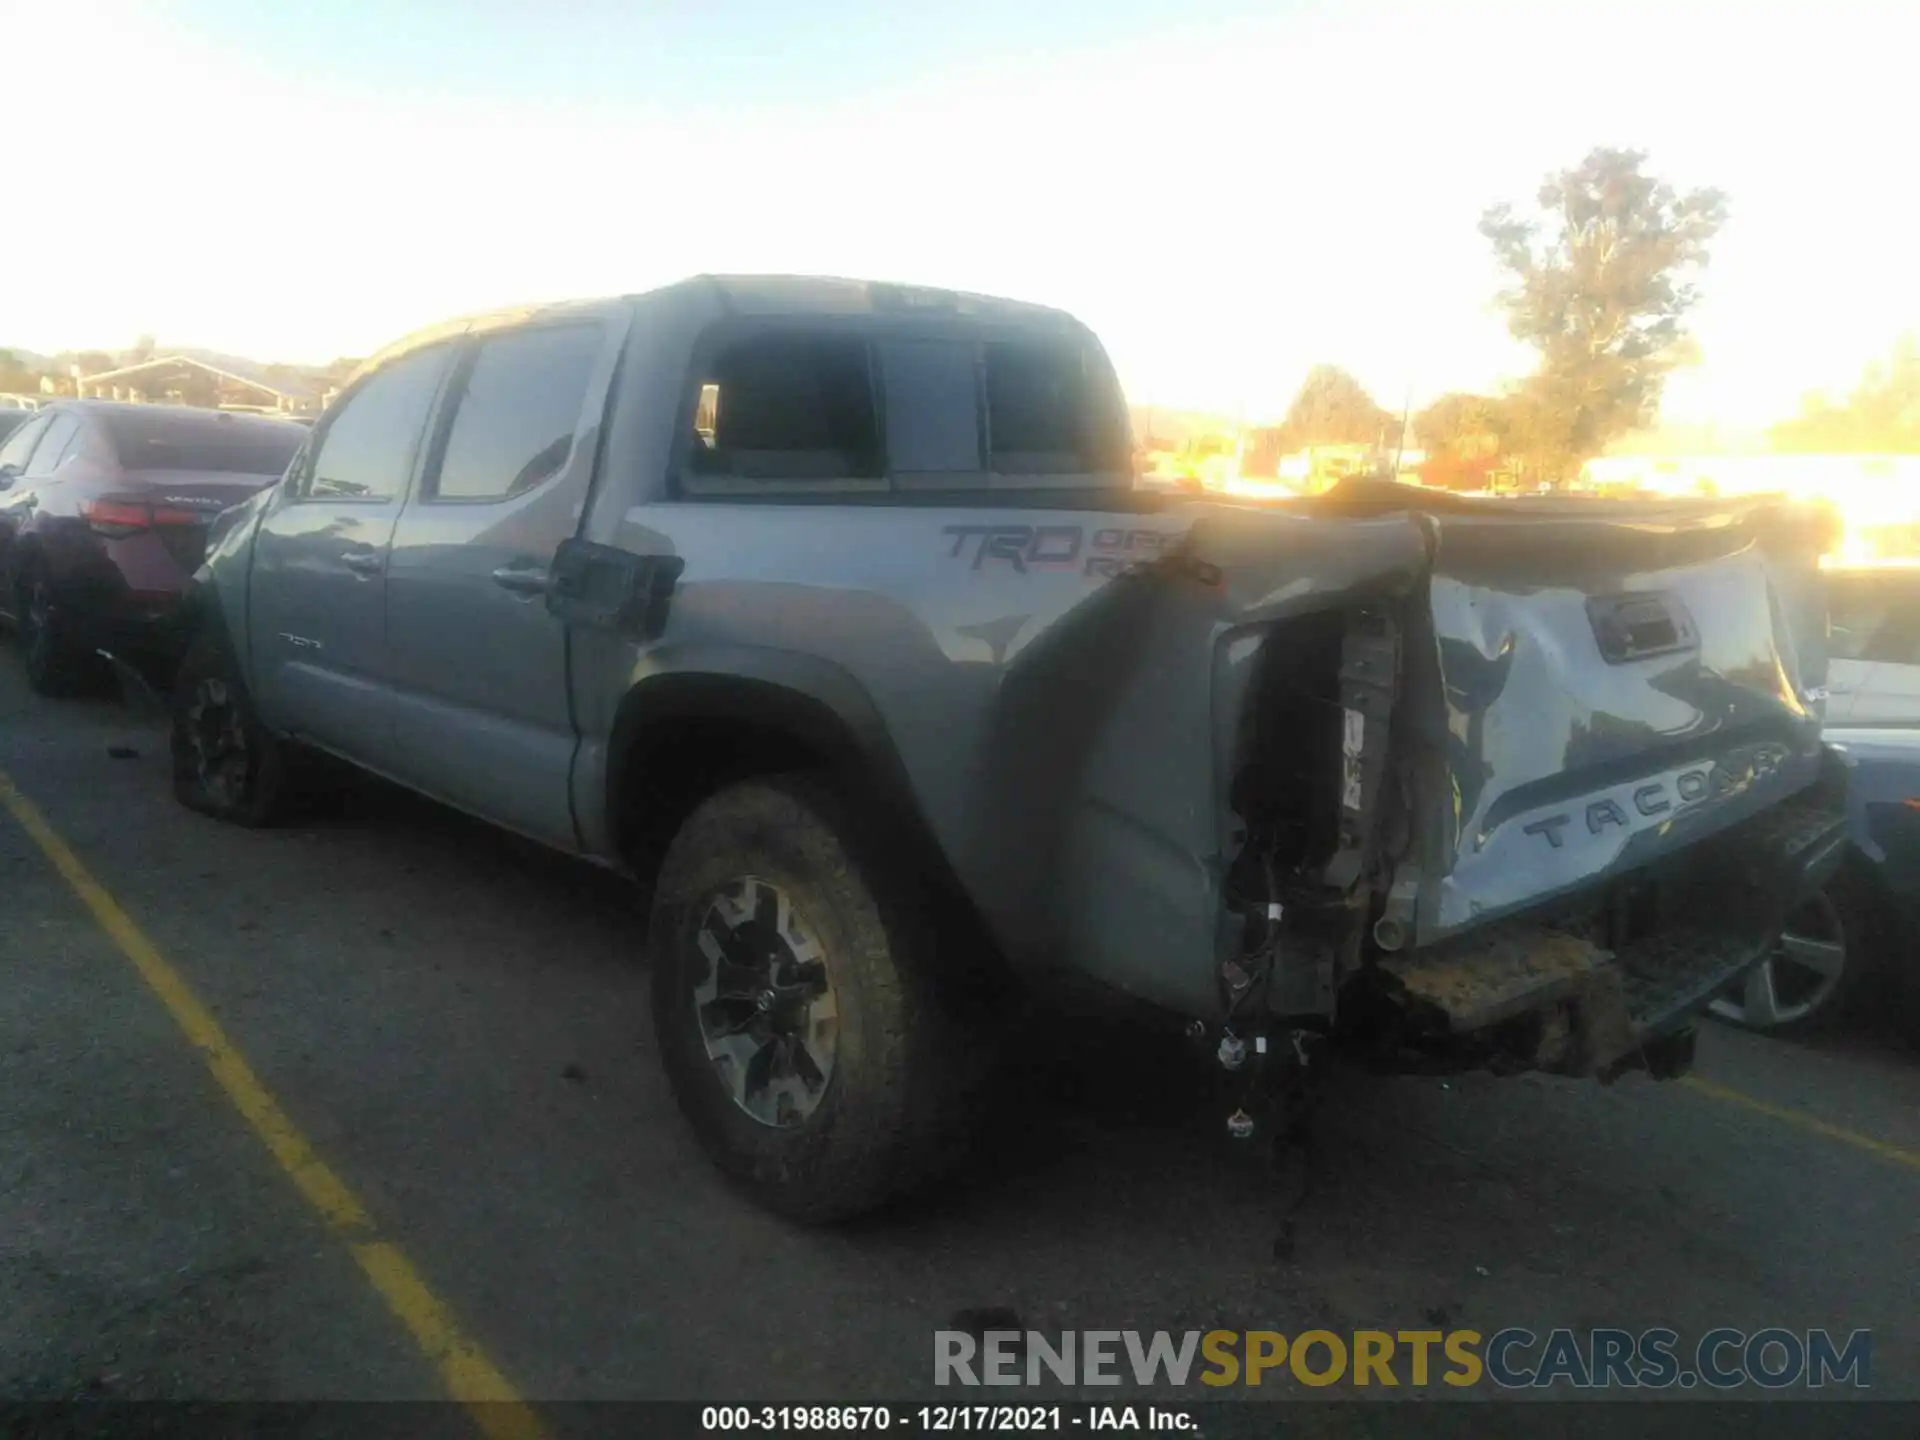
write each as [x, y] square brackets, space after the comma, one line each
[481, 711]
[316, 599]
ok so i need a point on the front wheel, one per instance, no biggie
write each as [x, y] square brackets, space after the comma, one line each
[794, 1006]
[225, 763]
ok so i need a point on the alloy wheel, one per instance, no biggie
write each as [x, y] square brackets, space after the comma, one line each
[217, 737]
[1798, 977]
[766, 1008]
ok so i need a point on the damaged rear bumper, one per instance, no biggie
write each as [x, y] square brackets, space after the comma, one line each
[1554, 997]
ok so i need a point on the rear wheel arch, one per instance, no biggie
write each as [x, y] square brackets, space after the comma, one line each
[680, 736]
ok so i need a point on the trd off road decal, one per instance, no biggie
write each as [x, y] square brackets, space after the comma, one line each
[1105, 552]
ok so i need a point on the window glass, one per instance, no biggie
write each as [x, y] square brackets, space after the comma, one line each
[1048, 412]
[1898, 642]
[518, 412]
[368, 448]
[20, 444]
[53, 444]
[212, 442]
[1859, 611]
[933, 411]
[788, 408]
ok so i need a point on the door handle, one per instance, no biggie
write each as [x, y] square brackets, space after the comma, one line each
[522, 582]
[362, 562]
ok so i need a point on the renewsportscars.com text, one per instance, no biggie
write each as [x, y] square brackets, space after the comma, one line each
[1774, 1358]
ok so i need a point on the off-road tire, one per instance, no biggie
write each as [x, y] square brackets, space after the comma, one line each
[897, 1108]
[56, 662]
[265, 793]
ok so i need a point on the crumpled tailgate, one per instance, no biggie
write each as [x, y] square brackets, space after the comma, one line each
[1596, 693]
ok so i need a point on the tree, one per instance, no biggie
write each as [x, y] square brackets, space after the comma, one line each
[16, 377]
[1333, 408]
[1881, 416]
[1464, 426]
[1600, 285]
[1464, 436]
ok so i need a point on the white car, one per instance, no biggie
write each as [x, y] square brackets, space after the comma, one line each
[1873, 676]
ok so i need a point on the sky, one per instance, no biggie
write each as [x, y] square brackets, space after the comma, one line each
[1227, 192]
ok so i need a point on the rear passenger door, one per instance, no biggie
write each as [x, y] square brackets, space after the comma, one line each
[482, 717]
[319, 663]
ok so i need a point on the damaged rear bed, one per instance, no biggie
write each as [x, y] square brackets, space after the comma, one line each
[1516, 783]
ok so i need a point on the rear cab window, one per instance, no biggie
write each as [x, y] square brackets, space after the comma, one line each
[1874, 618]
[791, 410]
[785, 411]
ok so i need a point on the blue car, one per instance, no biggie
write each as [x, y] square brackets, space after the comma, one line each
[1859, 938]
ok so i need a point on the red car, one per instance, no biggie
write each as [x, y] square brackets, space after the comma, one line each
[104, 510]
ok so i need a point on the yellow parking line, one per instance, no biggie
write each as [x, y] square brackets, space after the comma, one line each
[469, 1376]
[1800, 1119]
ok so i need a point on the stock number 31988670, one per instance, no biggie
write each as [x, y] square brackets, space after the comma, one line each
[984, 1419]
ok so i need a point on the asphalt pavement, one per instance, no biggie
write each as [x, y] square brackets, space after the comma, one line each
[454, 1026]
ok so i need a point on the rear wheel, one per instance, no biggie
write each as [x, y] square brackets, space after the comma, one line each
[794, 1004]
[225, 763]
[56, 661]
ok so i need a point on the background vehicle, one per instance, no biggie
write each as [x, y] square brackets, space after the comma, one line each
[831, 611]
[104, 511]
[1859, 939]
[1874, 673]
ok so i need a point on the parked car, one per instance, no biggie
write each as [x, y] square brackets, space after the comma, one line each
[1858, 940]
[12, 419]
[104, 512]
[890, 687]
[1874, 674]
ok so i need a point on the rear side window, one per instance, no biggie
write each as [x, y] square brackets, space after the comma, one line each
[787, 410]
[20, 444]
[1049, 413]
[210, 442]
[54, 444]
[517, 412]
[367, 449]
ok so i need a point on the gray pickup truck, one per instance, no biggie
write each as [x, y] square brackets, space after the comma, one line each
[831, 612]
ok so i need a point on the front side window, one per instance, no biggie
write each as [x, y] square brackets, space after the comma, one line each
[518, 411]
[370, 442]
[788, 409]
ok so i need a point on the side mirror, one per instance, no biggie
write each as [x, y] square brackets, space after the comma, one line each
[8, 474]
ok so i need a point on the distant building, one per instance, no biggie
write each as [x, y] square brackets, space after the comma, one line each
[217, 381]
